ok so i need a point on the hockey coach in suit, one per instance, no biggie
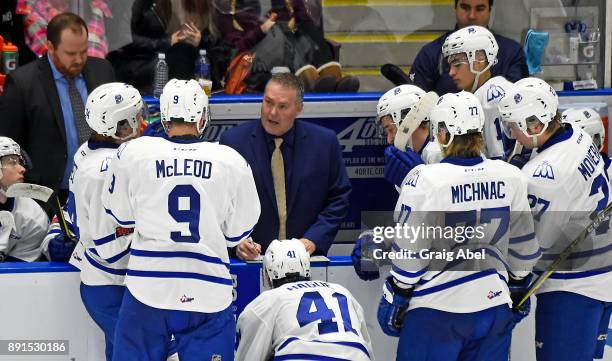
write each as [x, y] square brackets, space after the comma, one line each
[298, 169]
[43, 104]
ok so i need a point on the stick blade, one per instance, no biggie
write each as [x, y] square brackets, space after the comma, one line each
[413, 120]
[29, 190]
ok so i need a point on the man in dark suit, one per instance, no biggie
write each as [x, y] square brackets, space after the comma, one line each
[298, 169]
[43, 104]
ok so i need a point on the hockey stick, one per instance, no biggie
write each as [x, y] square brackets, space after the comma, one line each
[43, 194]
[518, 148]
[413, 120]
[600, 217]
[29, 190]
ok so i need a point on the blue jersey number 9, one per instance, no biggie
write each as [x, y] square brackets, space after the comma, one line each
[190, 215]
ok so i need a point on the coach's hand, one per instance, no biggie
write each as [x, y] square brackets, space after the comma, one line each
[392, 307]
[247, 250]
[309, 245]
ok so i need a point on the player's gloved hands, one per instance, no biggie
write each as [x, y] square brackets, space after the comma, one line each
[365, 268]
[60, 248]
[392, 307]
[518, 288]
[398, 164]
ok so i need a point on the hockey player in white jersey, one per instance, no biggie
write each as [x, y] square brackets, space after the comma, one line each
[444, 304]
[568, 186]
[300, 319]
[470, 53]
[391, 111]
[187, 201]
[114, 112]
[23, 224]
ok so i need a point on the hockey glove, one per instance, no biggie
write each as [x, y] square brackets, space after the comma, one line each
[518, 288]
[392, 307]
[398, 164]
[364, 265]
[60, 248]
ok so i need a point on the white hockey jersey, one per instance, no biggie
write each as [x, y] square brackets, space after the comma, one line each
[308, 320]
[24, 241]
[85, 209]
[451, 267]
[489, 95]
[567, 185]
[187, 200]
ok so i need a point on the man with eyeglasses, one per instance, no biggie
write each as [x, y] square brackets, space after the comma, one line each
[430, 73]
[23, 224]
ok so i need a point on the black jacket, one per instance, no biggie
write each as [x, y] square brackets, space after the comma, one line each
[31, 114]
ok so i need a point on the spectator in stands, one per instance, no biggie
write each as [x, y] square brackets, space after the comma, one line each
[178, 29]
[429, 72]
[43, 104]
[37, 14]
[11, 29]
[287, 37]
[298, 169]
[23, 224]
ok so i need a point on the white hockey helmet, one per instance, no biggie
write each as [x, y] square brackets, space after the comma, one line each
[589, 120]
[398, 101]
[110, 104]
[184, 100]
[285, 258]
[527, 101]
[459, 113]
[470, 40]
[9, 147]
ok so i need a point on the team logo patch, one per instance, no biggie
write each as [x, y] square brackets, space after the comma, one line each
[215, 358]
[518, 98]
[544, 170]
[185, 299]
[471, 31]
[118, 98]
[493, 295]
[586, 114]
[397, 91]
[76, 257]
[411, 76]
[495, 92]
[412, 181]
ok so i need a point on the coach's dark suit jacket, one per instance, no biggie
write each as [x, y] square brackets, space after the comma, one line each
[31, 114]
[318, 196]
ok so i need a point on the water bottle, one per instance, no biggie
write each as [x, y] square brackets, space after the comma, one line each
[10, 57]
[202, 72]
[161, 75]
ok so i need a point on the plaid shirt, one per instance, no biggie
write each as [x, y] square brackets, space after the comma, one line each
[37, 14]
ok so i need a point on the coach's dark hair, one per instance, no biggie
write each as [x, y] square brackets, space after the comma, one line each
[64, 21]
[490, 3]
[288, 80]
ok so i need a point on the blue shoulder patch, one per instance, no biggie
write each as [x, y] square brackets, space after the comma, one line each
[544, 170]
